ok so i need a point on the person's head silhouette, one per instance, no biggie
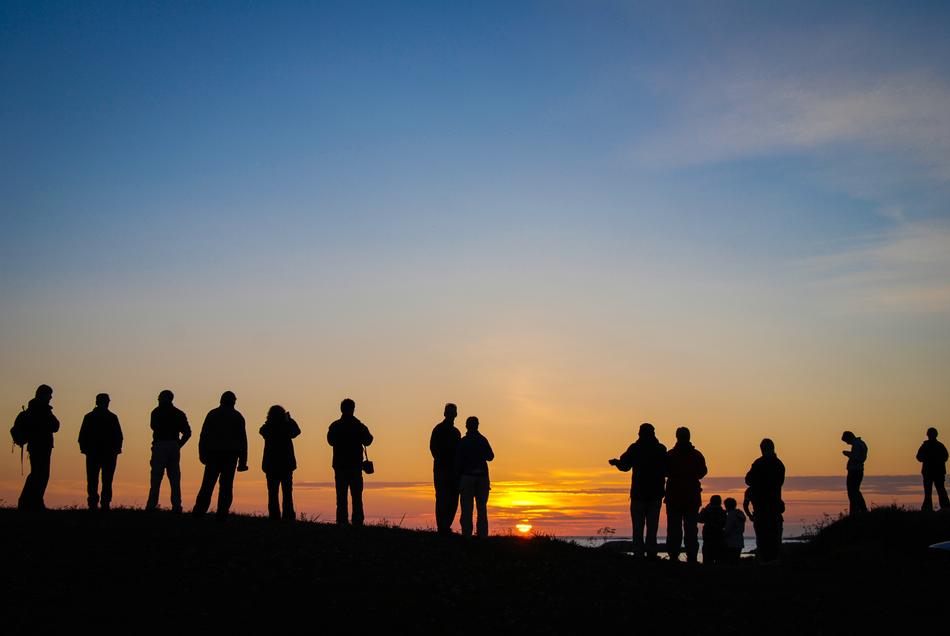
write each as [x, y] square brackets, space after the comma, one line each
[647, 431]
[347, 407]
[275, 412]
[44, 393]
[715, 500]
[451, 412]
[730, 503]
[847, 437]
[228, 399]
[166, 397]
[767, 447]
[102, 400]
[471, 424]
[931, 433]
[682, 434]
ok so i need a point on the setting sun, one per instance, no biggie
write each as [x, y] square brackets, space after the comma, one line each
[524, 527]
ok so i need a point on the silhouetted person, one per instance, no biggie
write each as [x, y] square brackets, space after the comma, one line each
[713, 518]
[222, 448]
[348, 436]
[279, 462]
[685, 467]
[100, 440]
[856, 458]
[443, 445]
[933, 458]
[765, 480]
[170, 431]
[733, 533]
[471, 459]
[39, 424]
[647, 460]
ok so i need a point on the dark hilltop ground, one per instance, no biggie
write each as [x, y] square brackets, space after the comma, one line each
[72, 571]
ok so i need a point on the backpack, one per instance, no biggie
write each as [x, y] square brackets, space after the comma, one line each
[21, 429]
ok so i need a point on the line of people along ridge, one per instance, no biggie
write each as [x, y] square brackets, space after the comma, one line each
[460, 473]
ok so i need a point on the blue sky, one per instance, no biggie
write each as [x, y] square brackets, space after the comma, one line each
[726, 203]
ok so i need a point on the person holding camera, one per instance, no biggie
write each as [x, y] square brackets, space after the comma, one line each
[279, 460]
[348, 436]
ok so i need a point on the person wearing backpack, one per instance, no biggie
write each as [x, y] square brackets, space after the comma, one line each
[100, 440]
[34, 429]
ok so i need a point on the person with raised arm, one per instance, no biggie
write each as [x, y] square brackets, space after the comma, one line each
[279, 463]
[646, 459]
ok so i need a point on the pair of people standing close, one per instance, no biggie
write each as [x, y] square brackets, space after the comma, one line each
[657, 473]
[460, 471]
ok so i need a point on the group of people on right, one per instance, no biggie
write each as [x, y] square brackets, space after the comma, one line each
[673, 476]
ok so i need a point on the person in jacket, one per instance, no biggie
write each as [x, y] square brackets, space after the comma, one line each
[733, 531]
[647, 460]
[279, 463]
[765, 479]
[471, 459]
[100, 440]
[685, 467]
[856, 458]
[348, 436]
[713, 518]
[170, 431]
[222, 448]
[443, 444]
[40, 424]
[933, 459]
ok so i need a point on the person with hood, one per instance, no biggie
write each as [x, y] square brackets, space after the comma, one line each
[36, 426]
[279, 461]
[222, 448]
[471, 460]
[348, 436]
[647, 460]
[933, 459]
[685, 467]
[170, 431]
[443, 444]
[765, 479]
[100, 440]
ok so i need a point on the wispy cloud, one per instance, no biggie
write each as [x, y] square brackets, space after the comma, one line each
[906, 269]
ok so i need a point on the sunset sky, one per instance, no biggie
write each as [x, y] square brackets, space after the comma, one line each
[567, 217]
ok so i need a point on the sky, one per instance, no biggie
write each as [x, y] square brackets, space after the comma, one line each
[566, 217]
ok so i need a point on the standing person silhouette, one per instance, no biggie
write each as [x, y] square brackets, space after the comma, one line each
[100, 440]
[443, 444]
[279, 460]
[170, 431]
[348, 436]
[856, 458]
[765, 479]
[685, 467]
[38, 424]
[647, 460]
[222, 448]
[933, 458]
[471, 460]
